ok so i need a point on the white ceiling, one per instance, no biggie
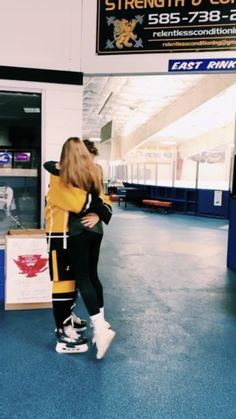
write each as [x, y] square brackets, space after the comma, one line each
[216, 113]
[128, 101]
[132, 101]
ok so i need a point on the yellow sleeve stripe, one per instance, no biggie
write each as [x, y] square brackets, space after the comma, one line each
[61, 287]
[106, 199]
[54, 266]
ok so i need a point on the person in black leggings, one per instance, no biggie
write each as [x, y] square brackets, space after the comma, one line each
[87, 246]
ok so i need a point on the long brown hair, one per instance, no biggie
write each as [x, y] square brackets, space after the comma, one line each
[77, 167]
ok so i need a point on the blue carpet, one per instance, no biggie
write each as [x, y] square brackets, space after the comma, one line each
[172, 302]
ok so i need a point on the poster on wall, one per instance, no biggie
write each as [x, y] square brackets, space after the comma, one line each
[27, 273]
[217, 198]
[149, 26]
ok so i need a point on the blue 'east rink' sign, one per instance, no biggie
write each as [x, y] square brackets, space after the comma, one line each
[209, 64]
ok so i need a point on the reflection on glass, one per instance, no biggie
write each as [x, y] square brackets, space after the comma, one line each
[19, 203]
[150, 173]
[22, 159]
[164, 174]
[129, 173]
[135, 173]
[185, 173]
[5, 159]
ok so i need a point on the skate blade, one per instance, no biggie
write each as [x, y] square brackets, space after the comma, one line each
[65, 348]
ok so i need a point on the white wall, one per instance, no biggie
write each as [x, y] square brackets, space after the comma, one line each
[62, 118]
[41, 34]
[124, 63]
[47, 35]
[62, 110]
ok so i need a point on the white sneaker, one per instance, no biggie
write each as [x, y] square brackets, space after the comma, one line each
[103, 337]
[105, 323]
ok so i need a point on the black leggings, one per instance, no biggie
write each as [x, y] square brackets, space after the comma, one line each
[83, 252]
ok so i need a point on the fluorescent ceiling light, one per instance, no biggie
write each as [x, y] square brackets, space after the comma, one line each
[31, 110]
[105, 103]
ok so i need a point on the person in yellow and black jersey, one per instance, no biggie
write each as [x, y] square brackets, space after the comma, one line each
[75, 210]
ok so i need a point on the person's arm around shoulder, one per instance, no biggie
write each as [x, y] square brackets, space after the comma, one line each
[105, 211]
[52, 167]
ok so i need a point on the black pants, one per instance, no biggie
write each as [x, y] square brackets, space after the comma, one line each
[83, 253]
[64, 292]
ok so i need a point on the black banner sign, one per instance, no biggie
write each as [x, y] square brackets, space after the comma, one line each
[139, 26]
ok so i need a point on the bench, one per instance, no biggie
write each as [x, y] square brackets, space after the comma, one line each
[118, 198]
[128, 194]
[166, 205]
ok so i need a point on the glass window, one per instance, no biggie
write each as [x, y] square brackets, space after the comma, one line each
[135, 173]
[185, 173]
[141, 173]
[120, 173]
[129, 173]
[164, 174]
[213, 171]
[150, 173]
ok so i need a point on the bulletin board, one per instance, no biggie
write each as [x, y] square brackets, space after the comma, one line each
[27, 281]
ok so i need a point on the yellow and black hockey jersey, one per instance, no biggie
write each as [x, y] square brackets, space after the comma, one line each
[66, 204]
